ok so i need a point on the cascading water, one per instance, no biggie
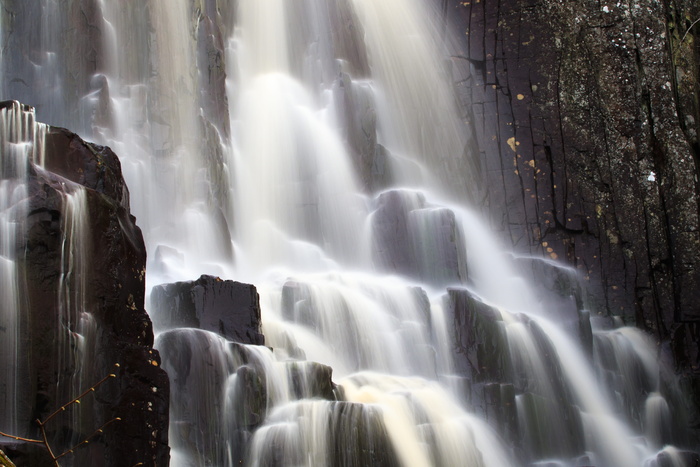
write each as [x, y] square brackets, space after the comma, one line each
[23, 143]
[19, 144]
[75, 322]
[314, 148]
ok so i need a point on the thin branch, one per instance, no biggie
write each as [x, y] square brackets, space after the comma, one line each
[77, 399]
[19, 438]
[688, 30]
[46, 443]
[86, 440]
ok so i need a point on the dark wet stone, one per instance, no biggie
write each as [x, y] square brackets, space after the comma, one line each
[478, 336]
[112, 288]
[417, 240]
[230, 309]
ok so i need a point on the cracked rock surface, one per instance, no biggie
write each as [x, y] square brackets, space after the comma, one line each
[587, 116]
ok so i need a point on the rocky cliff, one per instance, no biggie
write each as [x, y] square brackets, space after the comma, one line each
[81, 263]
[593, 108]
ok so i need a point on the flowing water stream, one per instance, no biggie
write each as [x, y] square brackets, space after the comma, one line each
[314, 148]
[19, 142]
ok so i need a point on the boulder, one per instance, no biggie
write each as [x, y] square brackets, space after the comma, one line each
[227, 308]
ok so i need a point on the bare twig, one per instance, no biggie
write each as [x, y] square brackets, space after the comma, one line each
[77, 399]
[87, 439]
[688, 30]
[19, 438]
[46, 443]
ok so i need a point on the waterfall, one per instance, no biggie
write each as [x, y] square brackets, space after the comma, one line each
[76, 336]
[21, 140]
[314, 148]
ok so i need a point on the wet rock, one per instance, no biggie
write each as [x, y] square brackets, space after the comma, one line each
[501, 410]
[211, 67]
[311, 380]
[199, 364]
[555, 282]
[589, 164]
[560, 438]
[479, 337]
[297, 303]
[352, 434]
[357, 437]
[585, 331]
[417, 240]
[90, 165]
[586, 118]
[224, 390]
[391, 247]
[357, 106]
[230, 309]
[669, 459]
[219, 391]
[33, 72]
[438, 243]
[686, 349]
[82, 258]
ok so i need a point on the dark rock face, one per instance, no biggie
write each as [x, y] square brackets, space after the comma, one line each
[562, 292]
[227, 308]
[83, 311]
[593, 111]
[90, 165]
[482, 349]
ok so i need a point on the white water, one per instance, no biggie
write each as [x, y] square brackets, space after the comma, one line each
[22, 142]
[17, 144]
[76, 337]
[285, 203]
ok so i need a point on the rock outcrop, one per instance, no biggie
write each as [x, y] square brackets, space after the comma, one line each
[227, 308]
[223, 391]
[593, 110]
[81, 260]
